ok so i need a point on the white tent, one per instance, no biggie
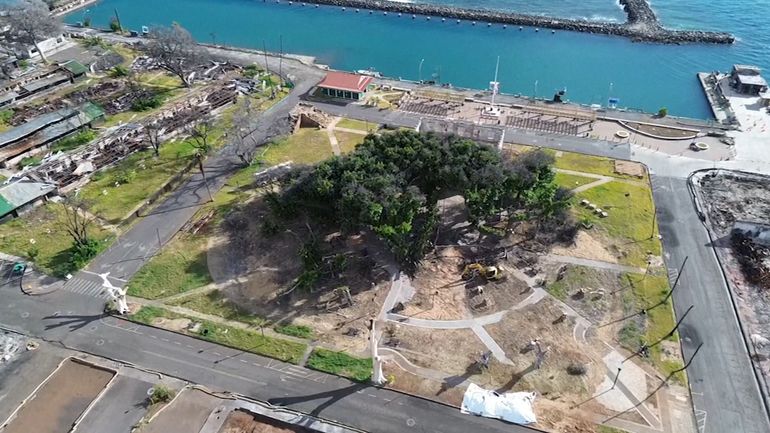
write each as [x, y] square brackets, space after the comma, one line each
[515, 407]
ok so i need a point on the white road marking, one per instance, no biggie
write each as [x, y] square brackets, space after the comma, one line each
[236, 376]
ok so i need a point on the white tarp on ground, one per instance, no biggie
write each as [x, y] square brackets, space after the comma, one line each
[515, 407]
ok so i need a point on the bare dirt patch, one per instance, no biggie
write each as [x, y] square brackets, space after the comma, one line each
[59, 402]
[630, 168]
[268, 267]
[586, 247]
[430, 348]
[543, 321]
[241, 421]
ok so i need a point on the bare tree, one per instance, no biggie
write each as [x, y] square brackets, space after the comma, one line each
[30, 22]
[244, 146]
[77, 223]
[176, 51]
[201, 133]
[152, 133]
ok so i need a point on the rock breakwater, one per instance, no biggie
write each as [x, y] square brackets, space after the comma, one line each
[642, 24]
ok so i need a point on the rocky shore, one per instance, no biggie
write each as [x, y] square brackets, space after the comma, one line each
[642, 24]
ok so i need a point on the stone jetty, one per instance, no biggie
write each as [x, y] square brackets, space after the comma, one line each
[642, 24]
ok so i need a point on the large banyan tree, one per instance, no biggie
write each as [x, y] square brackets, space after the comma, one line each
[392, 182]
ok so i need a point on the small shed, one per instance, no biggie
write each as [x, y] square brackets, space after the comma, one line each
[75, 70]
[22, 194]
[345, 85]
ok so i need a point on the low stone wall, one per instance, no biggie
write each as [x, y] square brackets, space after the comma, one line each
[642, 24]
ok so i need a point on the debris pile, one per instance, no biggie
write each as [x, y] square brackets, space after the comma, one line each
[753, 258]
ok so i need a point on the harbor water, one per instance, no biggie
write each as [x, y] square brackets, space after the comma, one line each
[591, 68]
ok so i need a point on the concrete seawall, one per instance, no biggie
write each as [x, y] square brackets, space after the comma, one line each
[642, 24]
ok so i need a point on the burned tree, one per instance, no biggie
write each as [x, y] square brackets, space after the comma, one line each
[29, 22]
[78, 224]
[176, 51]
[152, 133]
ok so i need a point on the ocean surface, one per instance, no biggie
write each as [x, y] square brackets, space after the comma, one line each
[591, 68]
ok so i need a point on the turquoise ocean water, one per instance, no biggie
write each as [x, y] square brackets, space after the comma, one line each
[591, 68]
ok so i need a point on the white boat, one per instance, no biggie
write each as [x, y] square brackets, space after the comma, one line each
[370, 72]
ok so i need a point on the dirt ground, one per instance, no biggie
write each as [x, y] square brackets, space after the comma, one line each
[630, 168]
[267, 266]
[586, 247]
[429, 347]
[59, 402]
[542, 321]
[662, 131]
[187, 413]
[239, 421]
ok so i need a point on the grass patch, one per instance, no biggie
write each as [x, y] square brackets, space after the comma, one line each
[299, 331]
[243, 339]
[574, 278]
[630, 220]
[348, 141]
[588, 164]
[648, 291]
[572, 181]
[30, 161]
[180, 266]
[51, 241]
[341, 364]
[160, 79]
[358, 124]
[216, 304]
[139, 175]
[74, 141]
[5, 118]
[307, 146]
[608, 429]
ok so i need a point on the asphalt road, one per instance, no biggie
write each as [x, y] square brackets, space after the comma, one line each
[73, 321]
[725, 393]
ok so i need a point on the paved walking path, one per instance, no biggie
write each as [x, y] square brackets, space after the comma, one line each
[333, 138]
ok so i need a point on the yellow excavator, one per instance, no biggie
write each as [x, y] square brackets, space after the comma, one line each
[487, 272]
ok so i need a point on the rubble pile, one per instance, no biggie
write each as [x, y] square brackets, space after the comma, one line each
[753, 259]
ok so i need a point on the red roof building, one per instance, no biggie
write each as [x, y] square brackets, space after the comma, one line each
[345, 85]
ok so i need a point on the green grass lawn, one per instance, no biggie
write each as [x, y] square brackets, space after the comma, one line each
[358, 124]
[180, 266]
[629, 224]
[571, 181]
[307, 146]
[299, 331]
[145, 173]
[44, 225]
[341, 364]
[648, 291]
[588, 164]
[576, 277]
[244, 339]
[216, 304]
[348, 141]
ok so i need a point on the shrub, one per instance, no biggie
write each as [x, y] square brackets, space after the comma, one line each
[87, 22]
[119, 71]
[115, 25]
[663, 112]
[251, 71]
[74, 141]
[33, 252]
[577, 369]
[6, 116]
[30, 161]
[144, 104]
[299, 331]
[124, 176]
[161, 394]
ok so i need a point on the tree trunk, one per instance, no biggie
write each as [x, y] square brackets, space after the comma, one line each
[42, 56]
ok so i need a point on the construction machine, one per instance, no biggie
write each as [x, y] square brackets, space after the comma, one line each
[487, 272]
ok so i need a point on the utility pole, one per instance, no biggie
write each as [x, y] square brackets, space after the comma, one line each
[264, 50]
[280, 59]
